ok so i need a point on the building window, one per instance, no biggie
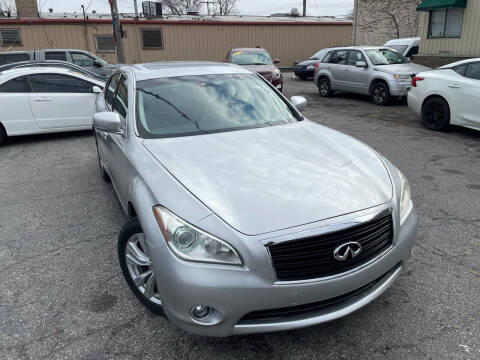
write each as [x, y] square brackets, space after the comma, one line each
[10, 37]
[152, 38]
[446, 23]
[104, 43]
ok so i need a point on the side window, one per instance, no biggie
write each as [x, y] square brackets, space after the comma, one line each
[354, 56]
[81, 59]
[341, 57]
[17, 85]
[328, 57]
[412, 51]
[59, 83]
[56, 55]
[13, 58]
[460, 69]
[110, 90]
[473, 71]
[120, 104]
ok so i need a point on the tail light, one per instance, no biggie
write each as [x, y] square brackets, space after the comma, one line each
[317, 65]
[415, 79]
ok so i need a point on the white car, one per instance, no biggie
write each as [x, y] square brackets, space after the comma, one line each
[448, 95]
[408, 47]
[46, 99]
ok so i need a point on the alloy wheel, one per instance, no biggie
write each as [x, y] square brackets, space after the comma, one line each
[434, 114]
[324, 88]
[379, 94]
[140, 268]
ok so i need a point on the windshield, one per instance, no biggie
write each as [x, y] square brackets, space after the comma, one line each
[192, 105]
[319, 55]
[386, 57]
[400, 48]
[251, 58]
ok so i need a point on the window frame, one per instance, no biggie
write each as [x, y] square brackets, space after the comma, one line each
[149, 29]
[356, 50]
[82, 53]
[20, 43]
[104, 51]
[429, 34]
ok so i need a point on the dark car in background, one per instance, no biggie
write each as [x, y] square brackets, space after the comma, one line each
[258, 60]
[306, 68]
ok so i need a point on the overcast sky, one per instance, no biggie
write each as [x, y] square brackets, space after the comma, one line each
[246, 7]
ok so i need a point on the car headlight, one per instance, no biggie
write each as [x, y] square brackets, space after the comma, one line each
[405, 197]
[402, 77]
[310, 67]
[192, 244]
[276, 74]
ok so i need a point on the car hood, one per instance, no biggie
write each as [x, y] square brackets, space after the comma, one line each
[408, 68]
[261, 69]
[267, 179]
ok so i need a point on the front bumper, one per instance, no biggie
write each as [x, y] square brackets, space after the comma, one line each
[235, 292]
[304, 73]
[400, 89]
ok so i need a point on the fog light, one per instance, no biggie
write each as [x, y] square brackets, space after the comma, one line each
[200, 312]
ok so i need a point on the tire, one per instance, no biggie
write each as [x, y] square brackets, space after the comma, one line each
[105, 176]
[324, 87]
[436, 114]
[3, 135]
[135, 264]
[380, 94]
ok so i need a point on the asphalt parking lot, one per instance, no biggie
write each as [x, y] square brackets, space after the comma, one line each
[62, 295]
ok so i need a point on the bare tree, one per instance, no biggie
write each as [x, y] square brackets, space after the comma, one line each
[385, 19]
[7, 7]
[225, 7]
[180, 7]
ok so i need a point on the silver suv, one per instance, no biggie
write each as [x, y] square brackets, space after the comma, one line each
[376, 71]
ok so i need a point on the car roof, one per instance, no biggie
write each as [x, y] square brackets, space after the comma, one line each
[403, 41]
[166, 69]
[467, 61]
[246, 49]
[358, 47]
[48, 70]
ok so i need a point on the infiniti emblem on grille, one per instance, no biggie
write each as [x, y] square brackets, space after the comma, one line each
[347, 251]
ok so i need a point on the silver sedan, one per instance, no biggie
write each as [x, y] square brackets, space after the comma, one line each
[244, 216]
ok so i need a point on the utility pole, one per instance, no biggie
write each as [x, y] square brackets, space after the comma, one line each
[304, 8]
[117, 32]
[208, 5]
[136, 8]
[85, 28]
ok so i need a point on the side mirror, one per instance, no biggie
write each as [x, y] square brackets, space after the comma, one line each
[361, 64]
[96, 90]
[107, 121]
[276, 61]
[98, 63]
[299, 102]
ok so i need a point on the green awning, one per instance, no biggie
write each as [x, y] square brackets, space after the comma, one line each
[427, 5]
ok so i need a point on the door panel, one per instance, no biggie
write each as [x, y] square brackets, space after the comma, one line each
[14, 97]
[336, 66]
[465, 93]
[356, 78]
[61, 101]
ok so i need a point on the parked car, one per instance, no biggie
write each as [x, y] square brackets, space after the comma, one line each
[408, 47]
[53, 63]
[448, 95]
[376, 71]
[258, 60]
[82, 58]
[229, 231]
[306, 68]
[43, 100]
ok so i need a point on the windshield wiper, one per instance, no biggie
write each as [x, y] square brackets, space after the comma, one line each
[181, 113]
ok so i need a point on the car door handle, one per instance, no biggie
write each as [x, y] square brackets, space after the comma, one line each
[454, 86]
[43, 99]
